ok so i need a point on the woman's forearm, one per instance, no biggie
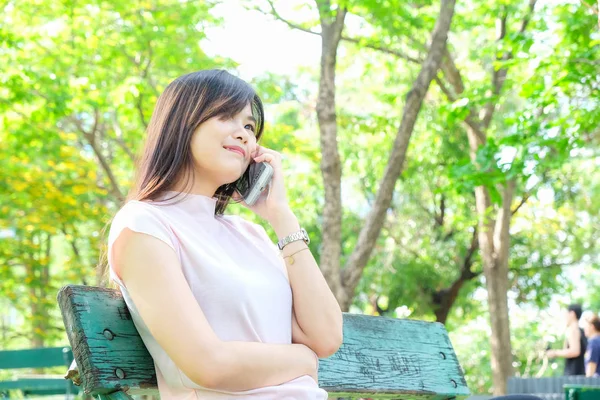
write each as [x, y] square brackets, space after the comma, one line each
[591, 369]
[317, 311]
[239, 366]
[568, 353]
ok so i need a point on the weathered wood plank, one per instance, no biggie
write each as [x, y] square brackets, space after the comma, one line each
[54, 385]
[107, 348]
[390, 356]
[380, 357]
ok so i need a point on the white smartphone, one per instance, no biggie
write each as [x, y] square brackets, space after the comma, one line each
[254, 181]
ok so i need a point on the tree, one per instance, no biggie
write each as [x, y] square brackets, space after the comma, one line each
[78, 89]
[495, 196]
[343, 281]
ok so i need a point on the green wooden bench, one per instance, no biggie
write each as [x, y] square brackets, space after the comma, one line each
[38, 385]
[581, 392]
[380, 358]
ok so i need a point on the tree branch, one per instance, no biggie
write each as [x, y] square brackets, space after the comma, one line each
[115, 191]
[469, 120]
[449, 95]
[359, 41]
[527, 17]
[119, 137]
[468, 260]
[502, 227]
[499, 75]
[444, 299]
[452, 73]
[289, 23]
[374, 222]
[364, 43]
[520, 268]
[90, 137]
[140, 109]
[521, 203]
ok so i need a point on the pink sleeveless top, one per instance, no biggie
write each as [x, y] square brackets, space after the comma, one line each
[237, 276]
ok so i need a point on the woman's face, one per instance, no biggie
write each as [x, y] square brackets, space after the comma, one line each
[222, 148]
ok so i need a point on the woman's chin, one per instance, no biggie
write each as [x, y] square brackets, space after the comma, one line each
[231, 178]
[228, 173]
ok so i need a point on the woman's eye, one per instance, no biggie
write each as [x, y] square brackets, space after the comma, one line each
[250, 127]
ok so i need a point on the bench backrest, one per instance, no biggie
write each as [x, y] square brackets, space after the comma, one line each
[35, 384]
[380, 356]
[35, 358]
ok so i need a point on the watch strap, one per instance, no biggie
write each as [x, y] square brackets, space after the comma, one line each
[294, 237]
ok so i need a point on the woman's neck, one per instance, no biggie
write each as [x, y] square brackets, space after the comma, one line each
[201, 187]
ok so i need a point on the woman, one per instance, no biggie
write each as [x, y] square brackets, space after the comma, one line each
[592, 355]
[223, 313]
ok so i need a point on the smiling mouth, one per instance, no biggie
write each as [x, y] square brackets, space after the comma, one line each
[236, 150]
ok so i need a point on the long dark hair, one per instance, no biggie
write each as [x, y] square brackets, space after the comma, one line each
[186, 103]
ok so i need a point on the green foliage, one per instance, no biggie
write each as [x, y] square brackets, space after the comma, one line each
[79, 82]
[77, 91]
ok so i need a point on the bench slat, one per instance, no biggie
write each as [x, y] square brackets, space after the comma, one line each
[392, 356]
[87, 312]
[381, 357]
[39, 385]
[35, 358]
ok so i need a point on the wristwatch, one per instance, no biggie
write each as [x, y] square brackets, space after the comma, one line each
[300, 235]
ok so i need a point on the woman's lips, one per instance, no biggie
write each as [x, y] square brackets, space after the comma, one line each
[236, 149]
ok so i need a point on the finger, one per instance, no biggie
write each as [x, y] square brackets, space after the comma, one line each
[263, 150]
[257, 152]
[265, 157]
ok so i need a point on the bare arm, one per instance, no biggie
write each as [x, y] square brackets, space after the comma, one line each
[591, 369]
[317, 315]
[148, 266]
[574, 341]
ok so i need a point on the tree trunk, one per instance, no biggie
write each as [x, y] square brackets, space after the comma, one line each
[444, 299]
[331, 169]
[494, 242]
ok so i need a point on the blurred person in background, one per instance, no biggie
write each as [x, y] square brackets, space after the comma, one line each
[575, 343]
[592, 354]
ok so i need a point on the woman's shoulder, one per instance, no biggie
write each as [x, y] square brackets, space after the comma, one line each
[140, 208]
[135, 212]
[142, 217]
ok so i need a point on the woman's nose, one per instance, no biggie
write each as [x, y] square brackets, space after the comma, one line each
[242, 135]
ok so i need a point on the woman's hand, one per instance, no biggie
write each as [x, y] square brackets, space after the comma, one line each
[272, 203]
